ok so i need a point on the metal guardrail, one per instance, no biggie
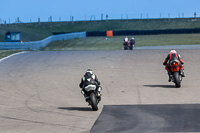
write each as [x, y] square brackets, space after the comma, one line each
[35, 45]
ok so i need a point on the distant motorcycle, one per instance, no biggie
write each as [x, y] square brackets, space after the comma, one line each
[176, 75]
[126, 45]
[93, 98]
[131, 46]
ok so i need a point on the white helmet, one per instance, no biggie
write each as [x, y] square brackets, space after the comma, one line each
[172, 51]
[90, 71]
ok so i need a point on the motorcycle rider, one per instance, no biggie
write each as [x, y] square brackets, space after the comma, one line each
[171, 56]
[125, 43]
[90, 79]
[132, 43]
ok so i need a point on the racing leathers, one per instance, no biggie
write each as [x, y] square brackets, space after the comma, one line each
[132, 43]
[126, 43]
[90, 79]
[171, 56]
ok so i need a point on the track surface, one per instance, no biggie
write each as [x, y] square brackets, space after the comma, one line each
[148, 118]
[39, 90]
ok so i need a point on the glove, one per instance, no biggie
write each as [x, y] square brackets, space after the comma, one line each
[99, 83]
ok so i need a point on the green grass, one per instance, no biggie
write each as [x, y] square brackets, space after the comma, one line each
[115, 43]
[38, 31]
[5, 53]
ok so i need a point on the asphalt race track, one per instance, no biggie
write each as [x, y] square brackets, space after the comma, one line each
[39, 93]
[148, 118]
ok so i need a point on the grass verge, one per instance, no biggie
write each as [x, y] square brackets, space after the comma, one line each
[115, 43]
[5, 53]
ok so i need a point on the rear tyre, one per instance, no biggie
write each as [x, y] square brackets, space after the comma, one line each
[125, 48]
[131, 47]
[93, 101]
[177, 79]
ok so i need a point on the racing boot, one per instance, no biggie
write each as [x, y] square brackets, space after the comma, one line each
[99, 91]
[182, 73]
[99, 96]
[170, 76]
[85, 96]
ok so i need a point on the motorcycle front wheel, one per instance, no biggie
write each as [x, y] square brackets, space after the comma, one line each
[93, 102]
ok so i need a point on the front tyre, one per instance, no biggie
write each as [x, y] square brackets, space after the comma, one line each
[177, 79]
[93, 102]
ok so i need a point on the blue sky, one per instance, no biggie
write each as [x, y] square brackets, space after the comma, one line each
[30, 10]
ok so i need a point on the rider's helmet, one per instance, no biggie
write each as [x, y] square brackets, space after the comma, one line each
[89, 74]
[173, 54]
[172, 51]
[126, 39]
[90, 71]
[132, 38]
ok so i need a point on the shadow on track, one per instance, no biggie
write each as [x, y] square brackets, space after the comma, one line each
[162, 86]
[76, 108]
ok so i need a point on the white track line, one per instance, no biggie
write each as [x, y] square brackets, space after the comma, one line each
[12, 55]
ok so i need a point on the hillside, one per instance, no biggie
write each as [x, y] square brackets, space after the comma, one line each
[38, 31]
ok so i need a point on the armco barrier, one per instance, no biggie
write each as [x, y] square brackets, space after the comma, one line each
[35, 45]
[144, 32]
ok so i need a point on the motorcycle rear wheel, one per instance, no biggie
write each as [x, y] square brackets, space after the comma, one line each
[177, 79]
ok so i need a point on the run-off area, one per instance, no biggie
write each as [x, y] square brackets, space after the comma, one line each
[148, 118]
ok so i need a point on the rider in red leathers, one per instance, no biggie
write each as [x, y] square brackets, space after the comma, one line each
[125, 43]
[172, 55]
